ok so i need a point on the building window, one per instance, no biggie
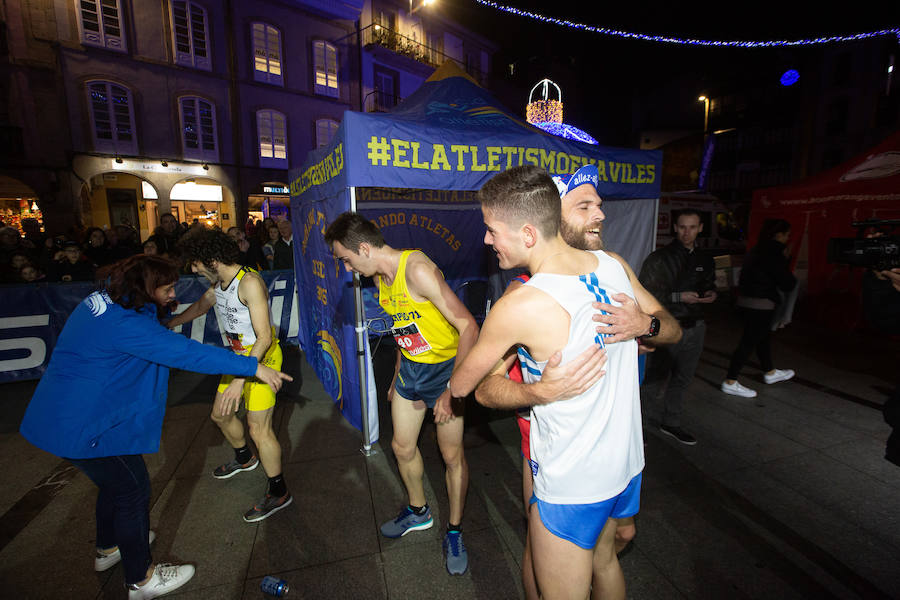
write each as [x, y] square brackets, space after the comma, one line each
[272, 130]
[325, 131]
[112, 118]
[189, 27]
[385, 89]
[198, 129]
[325, 65]
[267, 54]
[101, 24]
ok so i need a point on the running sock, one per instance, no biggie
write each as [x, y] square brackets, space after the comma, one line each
[243, 455]
[277, 486]
[454, 528]
[419, 510]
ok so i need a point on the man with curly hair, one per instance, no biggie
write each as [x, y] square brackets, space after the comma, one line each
[241, 300]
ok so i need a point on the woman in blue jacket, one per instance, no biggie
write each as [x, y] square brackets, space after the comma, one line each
[101, 402]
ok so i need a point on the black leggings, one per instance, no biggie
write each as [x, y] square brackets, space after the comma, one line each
[757, 329]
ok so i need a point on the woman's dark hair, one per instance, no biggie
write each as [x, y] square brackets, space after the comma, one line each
[771, 228]
[131, 282]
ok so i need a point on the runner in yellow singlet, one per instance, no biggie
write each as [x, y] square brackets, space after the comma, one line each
[434, 332]
[241, 300]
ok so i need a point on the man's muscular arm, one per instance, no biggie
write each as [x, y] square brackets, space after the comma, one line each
[557, 383]
[632, 319]
[425, 280]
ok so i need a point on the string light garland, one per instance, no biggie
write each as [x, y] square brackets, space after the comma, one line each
[691, 42]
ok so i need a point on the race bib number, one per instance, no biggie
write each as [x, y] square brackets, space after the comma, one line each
[410, 339]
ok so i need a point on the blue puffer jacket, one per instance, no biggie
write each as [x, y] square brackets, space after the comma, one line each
[104, 391]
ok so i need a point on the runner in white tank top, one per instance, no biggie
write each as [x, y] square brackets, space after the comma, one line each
[588, 448]
[234, 316]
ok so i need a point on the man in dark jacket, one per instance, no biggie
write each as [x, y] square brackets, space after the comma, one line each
[683, 279]
[284, 247]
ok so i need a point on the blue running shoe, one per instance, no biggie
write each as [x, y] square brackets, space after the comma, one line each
[455, 554]
[405, 522]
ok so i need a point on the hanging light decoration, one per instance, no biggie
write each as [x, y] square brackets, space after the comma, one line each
[544, 109]
[547, 114]
[666, 39]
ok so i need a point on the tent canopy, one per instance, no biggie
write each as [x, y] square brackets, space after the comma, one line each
[448, 138]
[452, 134]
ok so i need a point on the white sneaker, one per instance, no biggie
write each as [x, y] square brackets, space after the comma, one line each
[166, 578]
[103, 561]
[736, 389]
[778, 375]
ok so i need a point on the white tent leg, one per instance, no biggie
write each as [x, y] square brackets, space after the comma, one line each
[361, 340]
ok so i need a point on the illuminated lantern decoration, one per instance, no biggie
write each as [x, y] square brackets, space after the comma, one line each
[547, 114]
[544, 110]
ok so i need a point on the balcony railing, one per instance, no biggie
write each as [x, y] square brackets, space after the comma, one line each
[378, 101]
[379, 35]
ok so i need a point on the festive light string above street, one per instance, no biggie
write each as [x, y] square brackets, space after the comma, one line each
[691, 42]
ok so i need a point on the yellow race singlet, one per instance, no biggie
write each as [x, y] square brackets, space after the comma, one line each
[421, 331]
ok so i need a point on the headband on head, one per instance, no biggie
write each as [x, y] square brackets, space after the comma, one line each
[569, 181]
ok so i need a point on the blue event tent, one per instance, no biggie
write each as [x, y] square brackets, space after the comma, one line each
[413, 171]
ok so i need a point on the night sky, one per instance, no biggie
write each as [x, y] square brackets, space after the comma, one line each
[600, 76]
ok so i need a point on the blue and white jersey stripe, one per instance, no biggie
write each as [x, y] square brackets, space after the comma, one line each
[592, 284]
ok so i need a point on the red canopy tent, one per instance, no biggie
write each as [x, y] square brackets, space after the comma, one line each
[822, 207]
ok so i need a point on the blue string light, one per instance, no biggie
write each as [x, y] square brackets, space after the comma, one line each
[570, 132]
[691, 42]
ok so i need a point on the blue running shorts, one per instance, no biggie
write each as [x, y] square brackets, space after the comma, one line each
[423, 381]
[581, 524]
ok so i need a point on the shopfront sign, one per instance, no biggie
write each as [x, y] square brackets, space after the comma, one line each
[157, 167]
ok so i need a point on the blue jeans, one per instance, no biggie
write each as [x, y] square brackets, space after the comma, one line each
[123, 509]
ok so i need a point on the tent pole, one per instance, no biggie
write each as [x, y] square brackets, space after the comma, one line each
[361, 340]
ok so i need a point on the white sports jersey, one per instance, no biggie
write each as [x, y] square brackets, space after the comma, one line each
[586, 449]
[234, 316]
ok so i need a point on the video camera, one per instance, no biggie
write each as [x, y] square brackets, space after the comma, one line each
[879, 253]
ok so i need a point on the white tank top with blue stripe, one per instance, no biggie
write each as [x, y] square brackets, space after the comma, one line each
[586, 449]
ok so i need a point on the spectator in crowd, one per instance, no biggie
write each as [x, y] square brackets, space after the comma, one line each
[30, 273]
[33, 233]
[96, 247]
[284, 247]
[167, 234]
[10, 243]
[765, 278]
[268, 247]
[74, 266]
[251, 254]
[150, 246]
[128, 241]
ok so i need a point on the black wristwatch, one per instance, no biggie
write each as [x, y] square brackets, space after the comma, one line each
[654, 328]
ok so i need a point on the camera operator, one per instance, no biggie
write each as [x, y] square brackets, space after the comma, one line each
[881, 303]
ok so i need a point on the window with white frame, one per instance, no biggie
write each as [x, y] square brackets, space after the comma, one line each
[325, 65]
[101, 24]
[271, 128]
[267, 54]
[325, 130]
[112, 118]
[189, 28]
[198, 129]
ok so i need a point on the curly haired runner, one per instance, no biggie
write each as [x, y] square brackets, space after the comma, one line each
[242, 305]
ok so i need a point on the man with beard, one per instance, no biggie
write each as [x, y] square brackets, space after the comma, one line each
[581, 227]
[586, 451]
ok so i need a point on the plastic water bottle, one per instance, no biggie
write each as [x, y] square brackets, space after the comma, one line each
[274, 586]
